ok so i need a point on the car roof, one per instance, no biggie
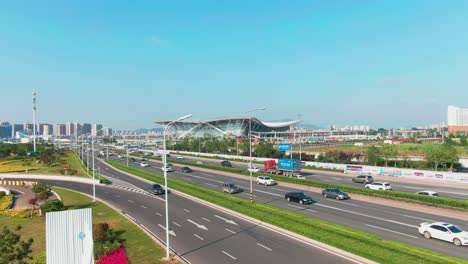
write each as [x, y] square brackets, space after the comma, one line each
[381, 182]
[431, 192]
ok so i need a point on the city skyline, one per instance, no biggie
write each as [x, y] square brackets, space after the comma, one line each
[334, 63]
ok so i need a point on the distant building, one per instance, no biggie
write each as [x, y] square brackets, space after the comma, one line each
[95, 131]
[457, 119]
[107, 132]
[69, 129]
[47, 130]
[5, 130]
[86, 129]
[59, 130]
[78, 129]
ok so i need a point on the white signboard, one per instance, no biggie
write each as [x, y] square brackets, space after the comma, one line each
[69, 237]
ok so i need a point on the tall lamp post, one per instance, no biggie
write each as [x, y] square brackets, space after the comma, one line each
[250, 142]
[165, 178]
[94, 174]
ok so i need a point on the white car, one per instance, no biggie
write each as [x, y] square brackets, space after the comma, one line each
[119, 156]
[428, 193]
[144, 164]
[179, 158]
[167, 168]
[252, 169]
[265, 180]
[444, 231]
[379, 186]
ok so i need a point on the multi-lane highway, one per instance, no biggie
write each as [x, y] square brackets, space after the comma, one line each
[387, 222]
[201, 234]
[458, 193]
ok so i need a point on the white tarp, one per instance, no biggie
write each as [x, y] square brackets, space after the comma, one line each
[69, 237]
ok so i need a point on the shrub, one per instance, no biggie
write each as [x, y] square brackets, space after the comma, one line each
[42, 190]
[52, 206]
[19, 213]
[39, 259]
[2, 194]
[5, 202]
[99, 231]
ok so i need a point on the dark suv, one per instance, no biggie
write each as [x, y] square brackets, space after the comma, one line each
[157, 189]
[186, 169]
[335, 193]
[298, 197]
[226, 163]
[363, 179]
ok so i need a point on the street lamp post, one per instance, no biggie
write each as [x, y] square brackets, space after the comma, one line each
[165, 179]
[250, 142]
[94, 173]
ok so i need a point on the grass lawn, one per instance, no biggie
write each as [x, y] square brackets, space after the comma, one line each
[139, 247]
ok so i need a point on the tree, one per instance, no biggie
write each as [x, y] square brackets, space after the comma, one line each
[265, 149]
[12, 248]
[373, 155]
[441, 154]
[388, 152]
[42, 190]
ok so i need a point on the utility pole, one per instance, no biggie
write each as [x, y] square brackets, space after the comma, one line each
[34, 118]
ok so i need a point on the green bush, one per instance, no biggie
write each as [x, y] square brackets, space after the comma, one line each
[42, 190]
[52, 206]
[39, 259]
[357, 242]
[2, 194]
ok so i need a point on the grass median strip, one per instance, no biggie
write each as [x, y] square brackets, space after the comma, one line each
[442, 202]
[357, 242]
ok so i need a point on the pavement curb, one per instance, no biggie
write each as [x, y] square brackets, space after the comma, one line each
[306, 240]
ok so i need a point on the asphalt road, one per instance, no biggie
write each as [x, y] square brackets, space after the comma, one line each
[457, 193]
[387, 222]
[202, 234]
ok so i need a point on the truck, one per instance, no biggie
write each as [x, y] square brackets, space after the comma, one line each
[286, 167]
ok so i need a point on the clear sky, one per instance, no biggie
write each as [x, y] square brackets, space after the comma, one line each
[128, 63]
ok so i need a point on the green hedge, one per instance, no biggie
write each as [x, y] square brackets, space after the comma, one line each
[357, 242]
[442, 202]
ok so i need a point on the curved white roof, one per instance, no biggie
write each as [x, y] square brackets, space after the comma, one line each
[268, 124]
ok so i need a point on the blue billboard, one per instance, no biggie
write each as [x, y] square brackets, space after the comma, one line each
[284, 147]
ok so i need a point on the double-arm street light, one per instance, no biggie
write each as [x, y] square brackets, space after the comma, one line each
[250, 142]
[165, 178]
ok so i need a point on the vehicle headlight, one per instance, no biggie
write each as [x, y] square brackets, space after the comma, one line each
[464, 238]
[341, 196]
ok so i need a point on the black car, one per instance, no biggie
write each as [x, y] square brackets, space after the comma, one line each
[144, 159]
[335, 193]
[186, 169]
[298, 197]
[157, 189]
[133, 160]
[226, 163]
[366, 179]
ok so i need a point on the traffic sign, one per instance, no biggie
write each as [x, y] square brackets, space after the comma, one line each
[284, 147]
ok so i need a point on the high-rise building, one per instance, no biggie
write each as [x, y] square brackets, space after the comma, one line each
[457, 119]
[5, 130]
[95, 131]
[46, 130]
[69, 129]
[107, 132]
[86, 129]
[78, 129]
[16, 128]
[60, 130]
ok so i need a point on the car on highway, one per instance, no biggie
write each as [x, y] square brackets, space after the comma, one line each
[186, 169]
[144, 164]
[252, 169]
[379, 186]
[132, 160]
[298, 197]
[226, 163]
[363, 179]
[265, 180]
[179, 158]
[144, 159]
[119, 156]
[428, 193]
[199, 162]
[335, 194]
[230, 187]
[167, 168]
[444, 231]
[157, 189]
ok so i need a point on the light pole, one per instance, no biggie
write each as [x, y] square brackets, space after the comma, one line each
[165, 179]
[94, 173]
[250, 142]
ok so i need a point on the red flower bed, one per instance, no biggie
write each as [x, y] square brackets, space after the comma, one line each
[116, 257]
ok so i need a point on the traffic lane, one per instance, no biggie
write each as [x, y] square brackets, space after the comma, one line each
[403, 230]
[456, 193]
[205, 219]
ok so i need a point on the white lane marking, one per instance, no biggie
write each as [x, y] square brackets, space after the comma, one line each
[208, 220]
[265, 247]
[229, 230]
[144, 206]
[171, 232]
[176, 224]
[226, 220]
[388, 230]
[188, 211]
[201, 238]
[210, 184]
[419, 218]
[197, 225]
[278, 189]
[270, 193]
[117, 195]
[159, 214]
[228, 255]
[341, 202]
[295, 206]
[406, 187]
[365, 215]
[131, 201]
[310, 210]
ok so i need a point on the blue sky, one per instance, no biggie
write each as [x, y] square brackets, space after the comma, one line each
[381, 63]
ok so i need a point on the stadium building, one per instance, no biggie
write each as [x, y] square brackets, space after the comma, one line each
[227, 127]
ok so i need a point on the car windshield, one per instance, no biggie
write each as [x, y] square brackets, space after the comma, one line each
[455, 229]
[267, 178]
[156, 186]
